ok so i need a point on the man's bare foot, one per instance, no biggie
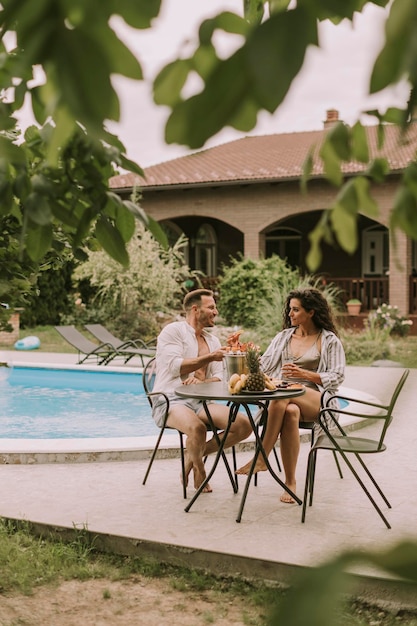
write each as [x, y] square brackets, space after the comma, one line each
[260, 466]
[199, 478]
[286, 498]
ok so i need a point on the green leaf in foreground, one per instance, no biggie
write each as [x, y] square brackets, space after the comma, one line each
[315, 597]
[315, 600]
[112, 241]
[39, 241]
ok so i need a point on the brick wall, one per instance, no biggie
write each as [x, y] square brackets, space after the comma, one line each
[8, 339]
[253, 208]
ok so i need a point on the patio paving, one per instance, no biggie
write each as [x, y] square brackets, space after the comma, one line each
[108, 499]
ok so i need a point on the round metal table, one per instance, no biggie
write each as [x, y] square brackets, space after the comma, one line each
[218, 391]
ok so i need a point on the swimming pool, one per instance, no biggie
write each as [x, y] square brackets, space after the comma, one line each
[61, 403]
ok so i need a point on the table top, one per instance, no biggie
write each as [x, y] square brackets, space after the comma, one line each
[219, 391]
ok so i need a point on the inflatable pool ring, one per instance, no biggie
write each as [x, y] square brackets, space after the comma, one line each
[27, 343]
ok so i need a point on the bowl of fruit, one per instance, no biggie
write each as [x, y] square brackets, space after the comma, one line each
[243, 367]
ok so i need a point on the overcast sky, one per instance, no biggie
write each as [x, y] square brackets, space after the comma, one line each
[335, 76]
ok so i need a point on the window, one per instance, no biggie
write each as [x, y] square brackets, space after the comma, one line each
[375, 251]
[286, 243]
[206, 250]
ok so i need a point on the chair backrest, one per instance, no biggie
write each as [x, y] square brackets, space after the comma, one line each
[385, 414]
[391, 405]
[73, 336]
[148, 376]
[103, 335]
[397, 390]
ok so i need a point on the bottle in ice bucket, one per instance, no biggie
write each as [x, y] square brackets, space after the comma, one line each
[235, 358]
[235, 363]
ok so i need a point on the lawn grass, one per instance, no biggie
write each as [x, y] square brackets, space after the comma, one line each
[51, 340]
[29, 561]
[404, 351]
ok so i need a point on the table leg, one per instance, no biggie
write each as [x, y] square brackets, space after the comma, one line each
[233, 410]
[260, 449]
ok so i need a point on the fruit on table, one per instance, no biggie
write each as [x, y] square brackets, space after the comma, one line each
[256, 377]
[237, 383]
[269, 384]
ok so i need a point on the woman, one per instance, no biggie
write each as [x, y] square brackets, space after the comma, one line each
[309, 351]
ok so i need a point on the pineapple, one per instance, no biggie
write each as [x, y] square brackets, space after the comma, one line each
[256, 378]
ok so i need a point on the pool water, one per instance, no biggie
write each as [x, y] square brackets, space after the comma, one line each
[64, 403]
[41, 403]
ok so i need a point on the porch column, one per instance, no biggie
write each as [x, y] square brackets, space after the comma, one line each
[254, 245]
[399, 272]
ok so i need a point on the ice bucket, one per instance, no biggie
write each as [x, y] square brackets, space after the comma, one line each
[235, 364]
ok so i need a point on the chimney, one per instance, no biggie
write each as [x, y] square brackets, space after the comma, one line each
[332, 118]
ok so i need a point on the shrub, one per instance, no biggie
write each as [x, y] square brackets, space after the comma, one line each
[364, 347]
[388, 318]
[17, 272]
[51, 298]
[130, 298]
[253, 294]
[246, 286]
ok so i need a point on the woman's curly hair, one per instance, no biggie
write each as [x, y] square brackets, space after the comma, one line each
[311, 299]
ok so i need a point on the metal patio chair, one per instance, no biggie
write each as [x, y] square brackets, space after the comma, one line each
[334, 439]
[148, 379]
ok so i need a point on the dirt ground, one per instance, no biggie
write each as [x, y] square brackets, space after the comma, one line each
[148, 602]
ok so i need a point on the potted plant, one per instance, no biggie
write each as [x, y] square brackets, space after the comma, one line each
[353, 306]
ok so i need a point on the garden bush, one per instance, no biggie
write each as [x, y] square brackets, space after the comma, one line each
[362, 348]
[248, 285]
[253, 295]
[388, 317]
[50, 300]
[129, 299]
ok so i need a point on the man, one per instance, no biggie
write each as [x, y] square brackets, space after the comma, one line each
[188, 354]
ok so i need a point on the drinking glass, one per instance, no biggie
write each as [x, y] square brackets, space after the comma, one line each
[286, 358]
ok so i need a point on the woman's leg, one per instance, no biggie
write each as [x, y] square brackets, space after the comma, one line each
[308, 407]
[290, 436]
[276, 414]
[290, 448]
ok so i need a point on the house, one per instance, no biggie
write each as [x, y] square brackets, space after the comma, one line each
[244, 197]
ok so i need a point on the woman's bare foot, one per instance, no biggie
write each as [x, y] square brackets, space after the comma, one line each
[286, 498]
[260, 466]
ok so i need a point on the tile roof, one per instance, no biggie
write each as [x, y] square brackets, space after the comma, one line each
[264, 158]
